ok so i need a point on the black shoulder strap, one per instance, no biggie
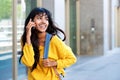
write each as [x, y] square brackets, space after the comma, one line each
[46, 48]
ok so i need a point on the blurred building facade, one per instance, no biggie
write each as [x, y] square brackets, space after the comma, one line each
[92, 27]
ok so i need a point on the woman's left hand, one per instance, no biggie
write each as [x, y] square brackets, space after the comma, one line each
[49, 63]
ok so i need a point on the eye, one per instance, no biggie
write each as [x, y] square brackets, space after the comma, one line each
[47, 18]
[39, 17]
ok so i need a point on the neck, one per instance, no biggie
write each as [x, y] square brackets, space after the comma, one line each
[41, 35]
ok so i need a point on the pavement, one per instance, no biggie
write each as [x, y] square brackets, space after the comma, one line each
[105, 67]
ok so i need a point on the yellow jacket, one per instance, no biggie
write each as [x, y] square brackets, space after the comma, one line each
[58, 51]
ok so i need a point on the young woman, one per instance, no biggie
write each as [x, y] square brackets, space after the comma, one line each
[60, 56]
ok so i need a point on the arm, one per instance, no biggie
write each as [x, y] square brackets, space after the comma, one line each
[65, 55]
[67, 58]
[28, 55]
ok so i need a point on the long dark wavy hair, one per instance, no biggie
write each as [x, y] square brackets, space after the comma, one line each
[52, 29]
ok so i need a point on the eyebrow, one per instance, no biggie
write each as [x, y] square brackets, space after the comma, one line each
[42, 14]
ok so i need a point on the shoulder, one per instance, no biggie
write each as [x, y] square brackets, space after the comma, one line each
[56, 40]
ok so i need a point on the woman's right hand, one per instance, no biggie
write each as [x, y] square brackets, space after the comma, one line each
[28, 30]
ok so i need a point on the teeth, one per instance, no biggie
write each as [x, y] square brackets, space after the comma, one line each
[42, 26]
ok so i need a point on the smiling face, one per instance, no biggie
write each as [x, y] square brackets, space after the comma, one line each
[41, 21]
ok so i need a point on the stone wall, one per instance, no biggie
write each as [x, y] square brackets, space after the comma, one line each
[91, 27]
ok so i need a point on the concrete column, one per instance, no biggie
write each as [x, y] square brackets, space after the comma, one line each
[110, 25]
[78, 26]
[117, 25]
[14, 36]
[107, 26]
[67, 21]
[39, 3]
[118, 28]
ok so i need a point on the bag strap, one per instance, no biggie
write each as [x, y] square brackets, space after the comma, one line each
[46, 49]
[47, 42]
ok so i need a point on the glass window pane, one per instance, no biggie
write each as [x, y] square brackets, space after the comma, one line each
[5, 39]
[21, 11]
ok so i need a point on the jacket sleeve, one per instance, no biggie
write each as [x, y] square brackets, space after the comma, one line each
[28, 55]
[65, 53]
[68, 58]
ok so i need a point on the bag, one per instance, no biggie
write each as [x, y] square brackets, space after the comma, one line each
[46, 49]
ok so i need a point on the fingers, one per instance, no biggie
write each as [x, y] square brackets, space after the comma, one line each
[28, 29]
[30, 24]
[46, 63]
[49, 63]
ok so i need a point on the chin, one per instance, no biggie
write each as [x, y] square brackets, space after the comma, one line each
[40, 31]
